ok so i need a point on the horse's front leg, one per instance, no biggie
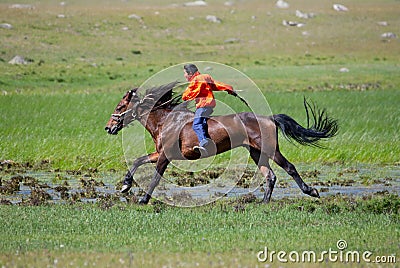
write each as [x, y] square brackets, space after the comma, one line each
[128, 180]
[162, 164]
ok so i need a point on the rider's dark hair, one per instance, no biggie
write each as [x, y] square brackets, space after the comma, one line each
[190, 68]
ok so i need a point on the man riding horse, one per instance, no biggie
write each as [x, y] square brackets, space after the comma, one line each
[201, 89]
[173, 130]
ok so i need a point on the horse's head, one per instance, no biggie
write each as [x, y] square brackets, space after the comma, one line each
[133, 107]
[122, 114]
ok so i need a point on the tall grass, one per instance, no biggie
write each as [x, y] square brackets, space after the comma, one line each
[68, 130]
[367, 119]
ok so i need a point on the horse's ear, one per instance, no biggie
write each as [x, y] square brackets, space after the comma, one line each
[134, 90]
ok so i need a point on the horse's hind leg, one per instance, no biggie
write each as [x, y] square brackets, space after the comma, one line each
[291, 170]
[262, 162]
[271, 179]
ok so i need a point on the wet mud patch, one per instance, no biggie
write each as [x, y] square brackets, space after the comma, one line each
[37, 188]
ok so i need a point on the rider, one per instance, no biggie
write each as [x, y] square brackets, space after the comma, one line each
[201, 89]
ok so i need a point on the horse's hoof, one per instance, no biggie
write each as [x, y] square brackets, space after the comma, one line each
[265, 201]
[143, 201]
[125, 188]
[314, 193]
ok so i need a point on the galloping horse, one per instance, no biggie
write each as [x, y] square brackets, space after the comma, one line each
[169, 122]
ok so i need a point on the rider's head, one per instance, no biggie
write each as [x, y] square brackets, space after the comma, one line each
[189, 70]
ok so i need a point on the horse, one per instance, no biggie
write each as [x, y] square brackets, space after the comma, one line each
[169, 122]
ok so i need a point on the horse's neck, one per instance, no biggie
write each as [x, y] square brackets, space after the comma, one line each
[157, 120]
[153, 122]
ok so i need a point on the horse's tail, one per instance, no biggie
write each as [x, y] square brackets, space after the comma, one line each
[323, 126]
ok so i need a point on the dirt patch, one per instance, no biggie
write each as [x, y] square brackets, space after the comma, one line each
[191, 179]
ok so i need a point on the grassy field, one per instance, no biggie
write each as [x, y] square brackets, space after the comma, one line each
[98, 48]
[68, 130]
[83, 55]
[219, 235]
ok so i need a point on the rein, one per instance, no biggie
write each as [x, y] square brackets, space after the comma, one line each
[121, 114]
[154, 108]
[117, 117]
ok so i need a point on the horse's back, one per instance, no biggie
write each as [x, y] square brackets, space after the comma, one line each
[226, 131]
[248, 129]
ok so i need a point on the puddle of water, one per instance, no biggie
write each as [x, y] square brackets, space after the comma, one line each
[329, 180]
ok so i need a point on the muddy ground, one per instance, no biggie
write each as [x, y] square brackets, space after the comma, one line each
[24, 184]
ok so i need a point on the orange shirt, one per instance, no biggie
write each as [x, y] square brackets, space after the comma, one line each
[201, 89]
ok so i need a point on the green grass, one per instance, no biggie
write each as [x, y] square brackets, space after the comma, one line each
[217, 230]
[67, 130]
[88, 50]
[367, 120]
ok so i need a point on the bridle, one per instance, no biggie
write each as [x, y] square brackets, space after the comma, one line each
[134, 114]
[119, 118]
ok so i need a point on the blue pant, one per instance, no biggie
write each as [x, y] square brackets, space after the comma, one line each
[200, 124]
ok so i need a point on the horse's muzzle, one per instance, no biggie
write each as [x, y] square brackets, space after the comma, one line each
[112, 130]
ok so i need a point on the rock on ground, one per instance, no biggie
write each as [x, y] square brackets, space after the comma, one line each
[195, 4]
[18, 60]
[6, 26]
[388, 35]
[282, 4]
[22, 6]
[212, 18]
[339, 7]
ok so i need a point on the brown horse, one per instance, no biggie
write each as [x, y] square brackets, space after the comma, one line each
[169, 122]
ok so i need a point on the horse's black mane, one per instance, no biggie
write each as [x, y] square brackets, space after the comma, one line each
[163, 96]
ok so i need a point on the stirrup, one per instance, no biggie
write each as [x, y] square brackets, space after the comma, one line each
[203, 151]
